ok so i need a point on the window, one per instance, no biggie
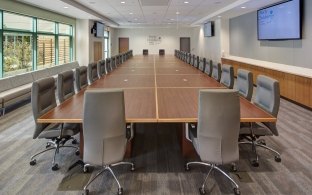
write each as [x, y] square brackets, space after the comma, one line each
[17, 53]
[45, 26]
[18, 22]
[106, 43]
[64, 49]
[29, 43]
[46, 51]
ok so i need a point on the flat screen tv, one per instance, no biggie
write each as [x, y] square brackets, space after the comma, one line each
[281, 21]
[98, 28]
[209, 29]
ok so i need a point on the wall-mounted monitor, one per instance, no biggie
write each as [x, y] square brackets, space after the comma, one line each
[281, 21]
[98, 29]
[209, 29]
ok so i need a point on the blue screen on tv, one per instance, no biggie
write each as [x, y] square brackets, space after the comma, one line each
[281, 21]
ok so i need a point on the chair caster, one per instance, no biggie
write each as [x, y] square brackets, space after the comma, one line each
[86, 170]
[187, 168]
[202, 191]
[277, 159]
[234, 168]
[236, 191]
[262, 142]
[132, 168]
[86, 192]
[255, 163]
[120, 191]
[33, 162]
[48, 145]
[74, 141]
[55, 167]
[77, 153]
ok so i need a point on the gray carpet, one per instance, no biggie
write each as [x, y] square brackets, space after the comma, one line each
[160, 166]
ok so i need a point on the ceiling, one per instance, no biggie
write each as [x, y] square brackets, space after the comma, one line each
[142, 13]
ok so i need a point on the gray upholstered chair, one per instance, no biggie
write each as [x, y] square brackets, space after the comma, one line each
[81, 78]
[208, 68]
[245, 83]
[101, 68]
[42, 101]
[227, 76]
[65, 85]
[189, 58]
[193, 60]
[268, 99]
[108, 65]
[202, 64]
[92, 73]
[216, 71]
[104, 130]
[161, 52]
[113, 62]
[216, 137]
[145, 52]
[197, 62]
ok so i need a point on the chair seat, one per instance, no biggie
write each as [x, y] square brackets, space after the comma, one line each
[71, 129]
[51, 131]
[258, 129]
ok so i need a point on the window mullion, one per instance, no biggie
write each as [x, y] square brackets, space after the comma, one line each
[1, 45]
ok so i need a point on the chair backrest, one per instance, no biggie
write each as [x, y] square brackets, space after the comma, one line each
[101, 68]
[65, 85]
[42, 101]
[245, 83]
[197, 62]
[113, 62]
[161, 52]
[145, 51]
[218, 125]
[193, 60]
[92, 72]
[108, 65]
[268, 98]
[202, 64]
[189, 58]
[104, 126]
[216, 71]
[208, 68]
[227, 76]
[81, 78]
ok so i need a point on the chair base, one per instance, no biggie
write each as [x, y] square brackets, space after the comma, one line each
[53, 145]
[261, 143]
[104, 168]
[213, 167]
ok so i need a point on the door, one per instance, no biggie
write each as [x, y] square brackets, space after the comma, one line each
[97, 48]
[185, 44]
[123, 44]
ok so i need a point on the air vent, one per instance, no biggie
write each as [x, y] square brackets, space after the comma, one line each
[154, 2]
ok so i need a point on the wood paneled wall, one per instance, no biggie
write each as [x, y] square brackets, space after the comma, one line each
[293, 87]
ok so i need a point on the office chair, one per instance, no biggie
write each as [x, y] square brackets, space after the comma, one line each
[81, 78]
[202, 64]
[92, 73]
[227, 76]
[113, 62]
[193, 60]
[161, 52]
[189, 58]
[104, 130]
[216, 137]
[145, 52]
[108, 65]
[216, 71]
[208, 68]
[65, 85]
[197, 62]
[42, 101]
[245, 83]
[268, 99]
[101, 68]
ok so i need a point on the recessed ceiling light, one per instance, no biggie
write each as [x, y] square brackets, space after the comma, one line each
[186, 2]
[92, 2]
[123, 2]
[219, 16]
[243, 7]
[130, 13]
[177, 13]
[172, 19]
[65, 7]
[135, 19]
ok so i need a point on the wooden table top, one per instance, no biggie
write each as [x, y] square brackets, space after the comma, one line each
[157, 89]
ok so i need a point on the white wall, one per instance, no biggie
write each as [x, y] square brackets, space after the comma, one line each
[244, 43]
[138, 39]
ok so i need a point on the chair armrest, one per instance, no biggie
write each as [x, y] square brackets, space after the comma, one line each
[129, 131]
[187, 130]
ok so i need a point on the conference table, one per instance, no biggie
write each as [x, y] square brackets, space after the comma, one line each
[157, 89]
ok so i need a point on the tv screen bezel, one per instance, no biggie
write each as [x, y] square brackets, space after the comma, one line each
[212, 28]
[96, 28]
[300, 21]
